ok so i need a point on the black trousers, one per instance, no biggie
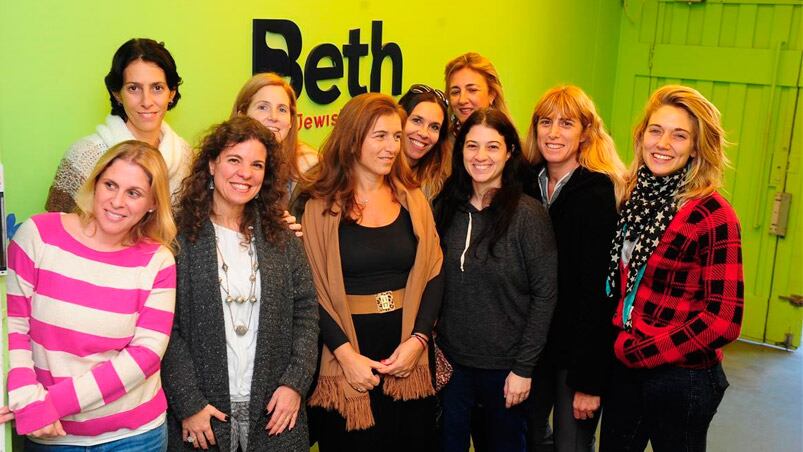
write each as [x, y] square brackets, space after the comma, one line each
[400, 425]
[549, 392]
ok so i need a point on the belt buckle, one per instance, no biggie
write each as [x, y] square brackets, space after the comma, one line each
[384, 301]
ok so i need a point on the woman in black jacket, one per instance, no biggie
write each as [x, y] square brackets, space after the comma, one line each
[578, 177]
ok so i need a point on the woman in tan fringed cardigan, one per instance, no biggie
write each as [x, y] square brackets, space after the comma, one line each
[376, 260]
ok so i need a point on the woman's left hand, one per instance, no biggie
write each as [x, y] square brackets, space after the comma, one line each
[584, 405]
[5, 415]
[404, 358]
[517, 389]
[283, 410]
[292, 224]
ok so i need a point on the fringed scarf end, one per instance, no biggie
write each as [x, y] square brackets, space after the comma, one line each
[328, 394]
[416, 386]
[358, 413]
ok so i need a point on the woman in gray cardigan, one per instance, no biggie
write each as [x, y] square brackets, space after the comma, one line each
[244, 342]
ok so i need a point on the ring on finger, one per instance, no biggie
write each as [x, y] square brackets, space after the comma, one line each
[191, 438]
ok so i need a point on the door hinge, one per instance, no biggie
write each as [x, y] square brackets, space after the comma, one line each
[780, 213]
[788, 342]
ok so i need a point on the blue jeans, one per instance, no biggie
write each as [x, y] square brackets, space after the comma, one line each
[505, 428]
[671, 407]
[151, 441]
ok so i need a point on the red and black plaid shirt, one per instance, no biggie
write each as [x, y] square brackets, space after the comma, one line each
[690, 300]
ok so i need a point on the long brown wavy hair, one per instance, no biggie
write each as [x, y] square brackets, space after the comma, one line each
[332, 179]
[195, 198]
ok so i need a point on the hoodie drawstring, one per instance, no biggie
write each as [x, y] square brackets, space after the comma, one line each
[468, 243]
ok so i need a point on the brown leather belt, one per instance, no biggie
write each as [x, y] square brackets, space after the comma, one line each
[379, 303]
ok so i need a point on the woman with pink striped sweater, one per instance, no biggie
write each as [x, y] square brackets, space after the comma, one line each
[90, 307]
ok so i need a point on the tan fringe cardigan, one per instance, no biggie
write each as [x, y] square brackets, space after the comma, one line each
[323, 251]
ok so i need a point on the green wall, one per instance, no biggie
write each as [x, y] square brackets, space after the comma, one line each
[55, 54]
[746, 56]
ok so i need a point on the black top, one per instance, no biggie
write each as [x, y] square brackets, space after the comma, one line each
[376, 259]
[580, 337]
[497, 308]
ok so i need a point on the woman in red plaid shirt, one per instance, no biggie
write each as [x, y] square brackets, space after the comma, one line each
[676, 275]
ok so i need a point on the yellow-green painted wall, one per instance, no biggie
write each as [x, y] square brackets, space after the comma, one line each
[55, 54]
[746, 57]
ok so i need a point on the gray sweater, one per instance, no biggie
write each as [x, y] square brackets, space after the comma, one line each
[194, 370]
[497, 309]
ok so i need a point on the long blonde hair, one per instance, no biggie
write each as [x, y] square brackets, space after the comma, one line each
[484, 67]
[597, 152]
[157, 226]
[290, 147]
[708, 141]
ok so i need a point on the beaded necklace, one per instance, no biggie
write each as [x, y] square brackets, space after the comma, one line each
[239, 327]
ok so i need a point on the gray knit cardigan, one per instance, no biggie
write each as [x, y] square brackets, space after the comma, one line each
[194, 369]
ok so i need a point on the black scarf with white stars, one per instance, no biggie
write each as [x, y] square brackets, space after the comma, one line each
[643, 220]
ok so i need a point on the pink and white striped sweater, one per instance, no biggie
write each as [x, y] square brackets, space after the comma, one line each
[86, 331]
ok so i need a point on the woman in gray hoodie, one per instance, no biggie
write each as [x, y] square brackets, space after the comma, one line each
[500, 266]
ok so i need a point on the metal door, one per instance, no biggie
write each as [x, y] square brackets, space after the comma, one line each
[745, 56]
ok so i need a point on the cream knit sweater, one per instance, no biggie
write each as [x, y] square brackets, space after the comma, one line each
[79, 161]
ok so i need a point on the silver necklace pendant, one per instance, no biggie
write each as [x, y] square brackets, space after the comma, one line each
[240, 329]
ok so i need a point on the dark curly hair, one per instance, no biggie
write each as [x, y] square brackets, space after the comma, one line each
[195, 198]
[146, 50]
